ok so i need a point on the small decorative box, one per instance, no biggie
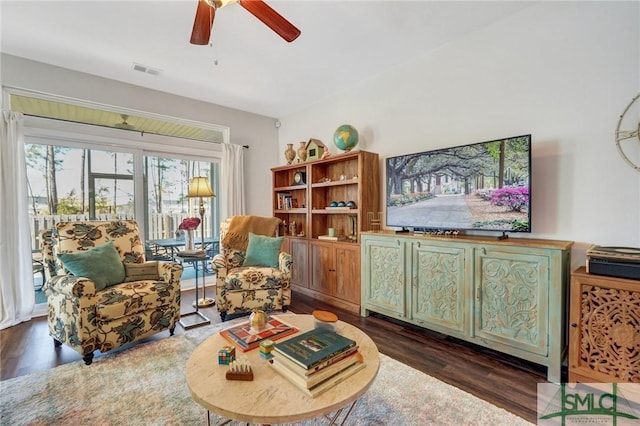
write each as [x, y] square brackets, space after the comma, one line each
[266, 346]
[324, 319]
[226, 355]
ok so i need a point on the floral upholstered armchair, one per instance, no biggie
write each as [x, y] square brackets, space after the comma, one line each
[251, 271]
[101, 294]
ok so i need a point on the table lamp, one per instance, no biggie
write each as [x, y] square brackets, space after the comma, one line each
[199, 188]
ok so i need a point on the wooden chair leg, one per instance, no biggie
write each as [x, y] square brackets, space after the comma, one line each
[88, 358]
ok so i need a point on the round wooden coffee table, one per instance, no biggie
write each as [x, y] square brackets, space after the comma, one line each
[270, 398]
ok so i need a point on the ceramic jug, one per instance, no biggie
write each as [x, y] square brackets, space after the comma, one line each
[258, 319]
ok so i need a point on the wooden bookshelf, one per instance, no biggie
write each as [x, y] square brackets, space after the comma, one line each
[328, 270]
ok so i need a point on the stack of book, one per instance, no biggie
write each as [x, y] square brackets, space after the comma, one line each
[317, 360]
[245, 338]
[286, 202]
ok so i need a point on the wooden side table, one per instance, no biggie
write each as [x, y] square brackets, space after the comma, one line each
[604, 332]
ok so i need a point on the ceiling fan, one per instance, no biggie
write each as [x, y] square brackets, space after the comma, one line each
[206, 11]
[124, 125]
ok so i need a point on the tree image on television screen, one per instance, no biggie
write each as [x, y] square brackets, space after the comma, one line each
[482, 186]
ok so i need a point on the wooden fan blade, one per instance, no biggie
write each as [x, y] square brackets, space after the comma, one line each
[202, 25]
[271, 18]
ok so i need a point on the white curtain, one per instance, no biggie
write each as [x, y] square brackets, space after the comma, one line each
[17, 296]
[232, 181]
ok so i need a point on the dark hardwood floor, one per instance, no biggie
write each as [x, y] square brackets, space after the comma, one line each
[504, 381]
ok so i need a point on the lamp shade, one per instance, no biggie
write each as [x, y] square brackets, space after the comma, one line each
[199, 187]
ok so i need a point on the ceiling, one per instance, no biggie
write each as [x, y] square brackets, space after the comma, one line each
[247, 66]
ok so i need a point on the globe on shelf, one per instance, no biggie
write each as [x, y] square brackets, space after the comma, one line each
[345, 137]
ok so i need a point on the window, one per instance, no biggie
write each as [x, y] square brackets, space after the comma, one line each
[166, 185]
[68, 182]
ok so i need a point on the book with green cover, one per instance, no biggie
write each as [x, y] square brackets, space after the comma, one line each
[314, 346]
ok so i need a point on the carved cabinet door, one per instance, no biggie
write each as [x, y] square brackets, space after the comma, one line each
[511, 298]
[383, 279]
[438, 286]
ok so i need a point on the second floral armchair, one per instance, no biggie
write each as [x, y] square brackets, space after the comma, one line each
[251, 271]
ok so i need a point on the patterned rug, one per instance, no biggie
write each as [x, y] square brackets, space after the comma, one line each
[145, 385]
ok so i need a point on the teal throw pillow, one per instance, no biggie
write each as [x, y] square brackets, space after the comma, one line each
[263, 251]
[101, 264]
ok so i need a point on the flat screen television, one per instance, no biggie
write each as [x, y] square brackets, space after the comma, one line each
[483, 186]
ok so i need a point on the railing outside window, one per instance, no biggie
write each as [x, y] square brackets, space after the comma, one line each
[160, 225]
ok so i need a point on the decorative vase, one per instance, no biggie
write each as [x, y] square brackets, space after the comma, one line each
[258, 319]
[290, 153]
[189, 242]
[302, 152]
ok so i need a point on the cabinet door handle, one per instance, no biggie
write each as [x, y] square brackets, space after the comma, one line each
[398, 242]
[478, 294]
[574, 325]
[418, 244]
[484, 251]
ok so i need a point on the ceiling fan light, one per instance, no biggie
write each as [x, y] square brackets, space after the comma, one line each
[217, 4]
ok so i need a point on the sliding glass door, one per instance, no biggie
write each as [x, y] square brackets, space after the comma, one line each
[71, 182]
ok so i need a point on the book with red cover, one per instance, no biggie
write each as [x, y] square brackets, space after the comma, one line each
[246, 339]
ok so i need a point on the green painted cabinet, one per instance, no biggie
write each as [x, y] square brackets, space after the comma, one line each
[508, 295]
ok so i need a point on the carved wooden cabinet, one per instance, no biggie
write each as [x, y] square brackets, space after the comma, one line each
[604, 332]
[508, 295]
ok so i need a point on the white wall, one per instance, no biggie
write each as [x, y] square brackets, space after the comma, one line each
[563, 72]
[259, 132]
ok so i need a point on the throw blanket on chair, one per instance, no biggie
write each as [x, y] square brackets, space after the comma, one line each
[237, 237]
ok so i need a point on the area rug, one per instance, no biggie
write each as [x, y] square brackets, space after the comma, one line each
[145, 385]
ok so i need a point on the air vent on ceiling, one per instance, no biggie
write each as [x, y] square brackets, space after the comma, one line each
[145, 69]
